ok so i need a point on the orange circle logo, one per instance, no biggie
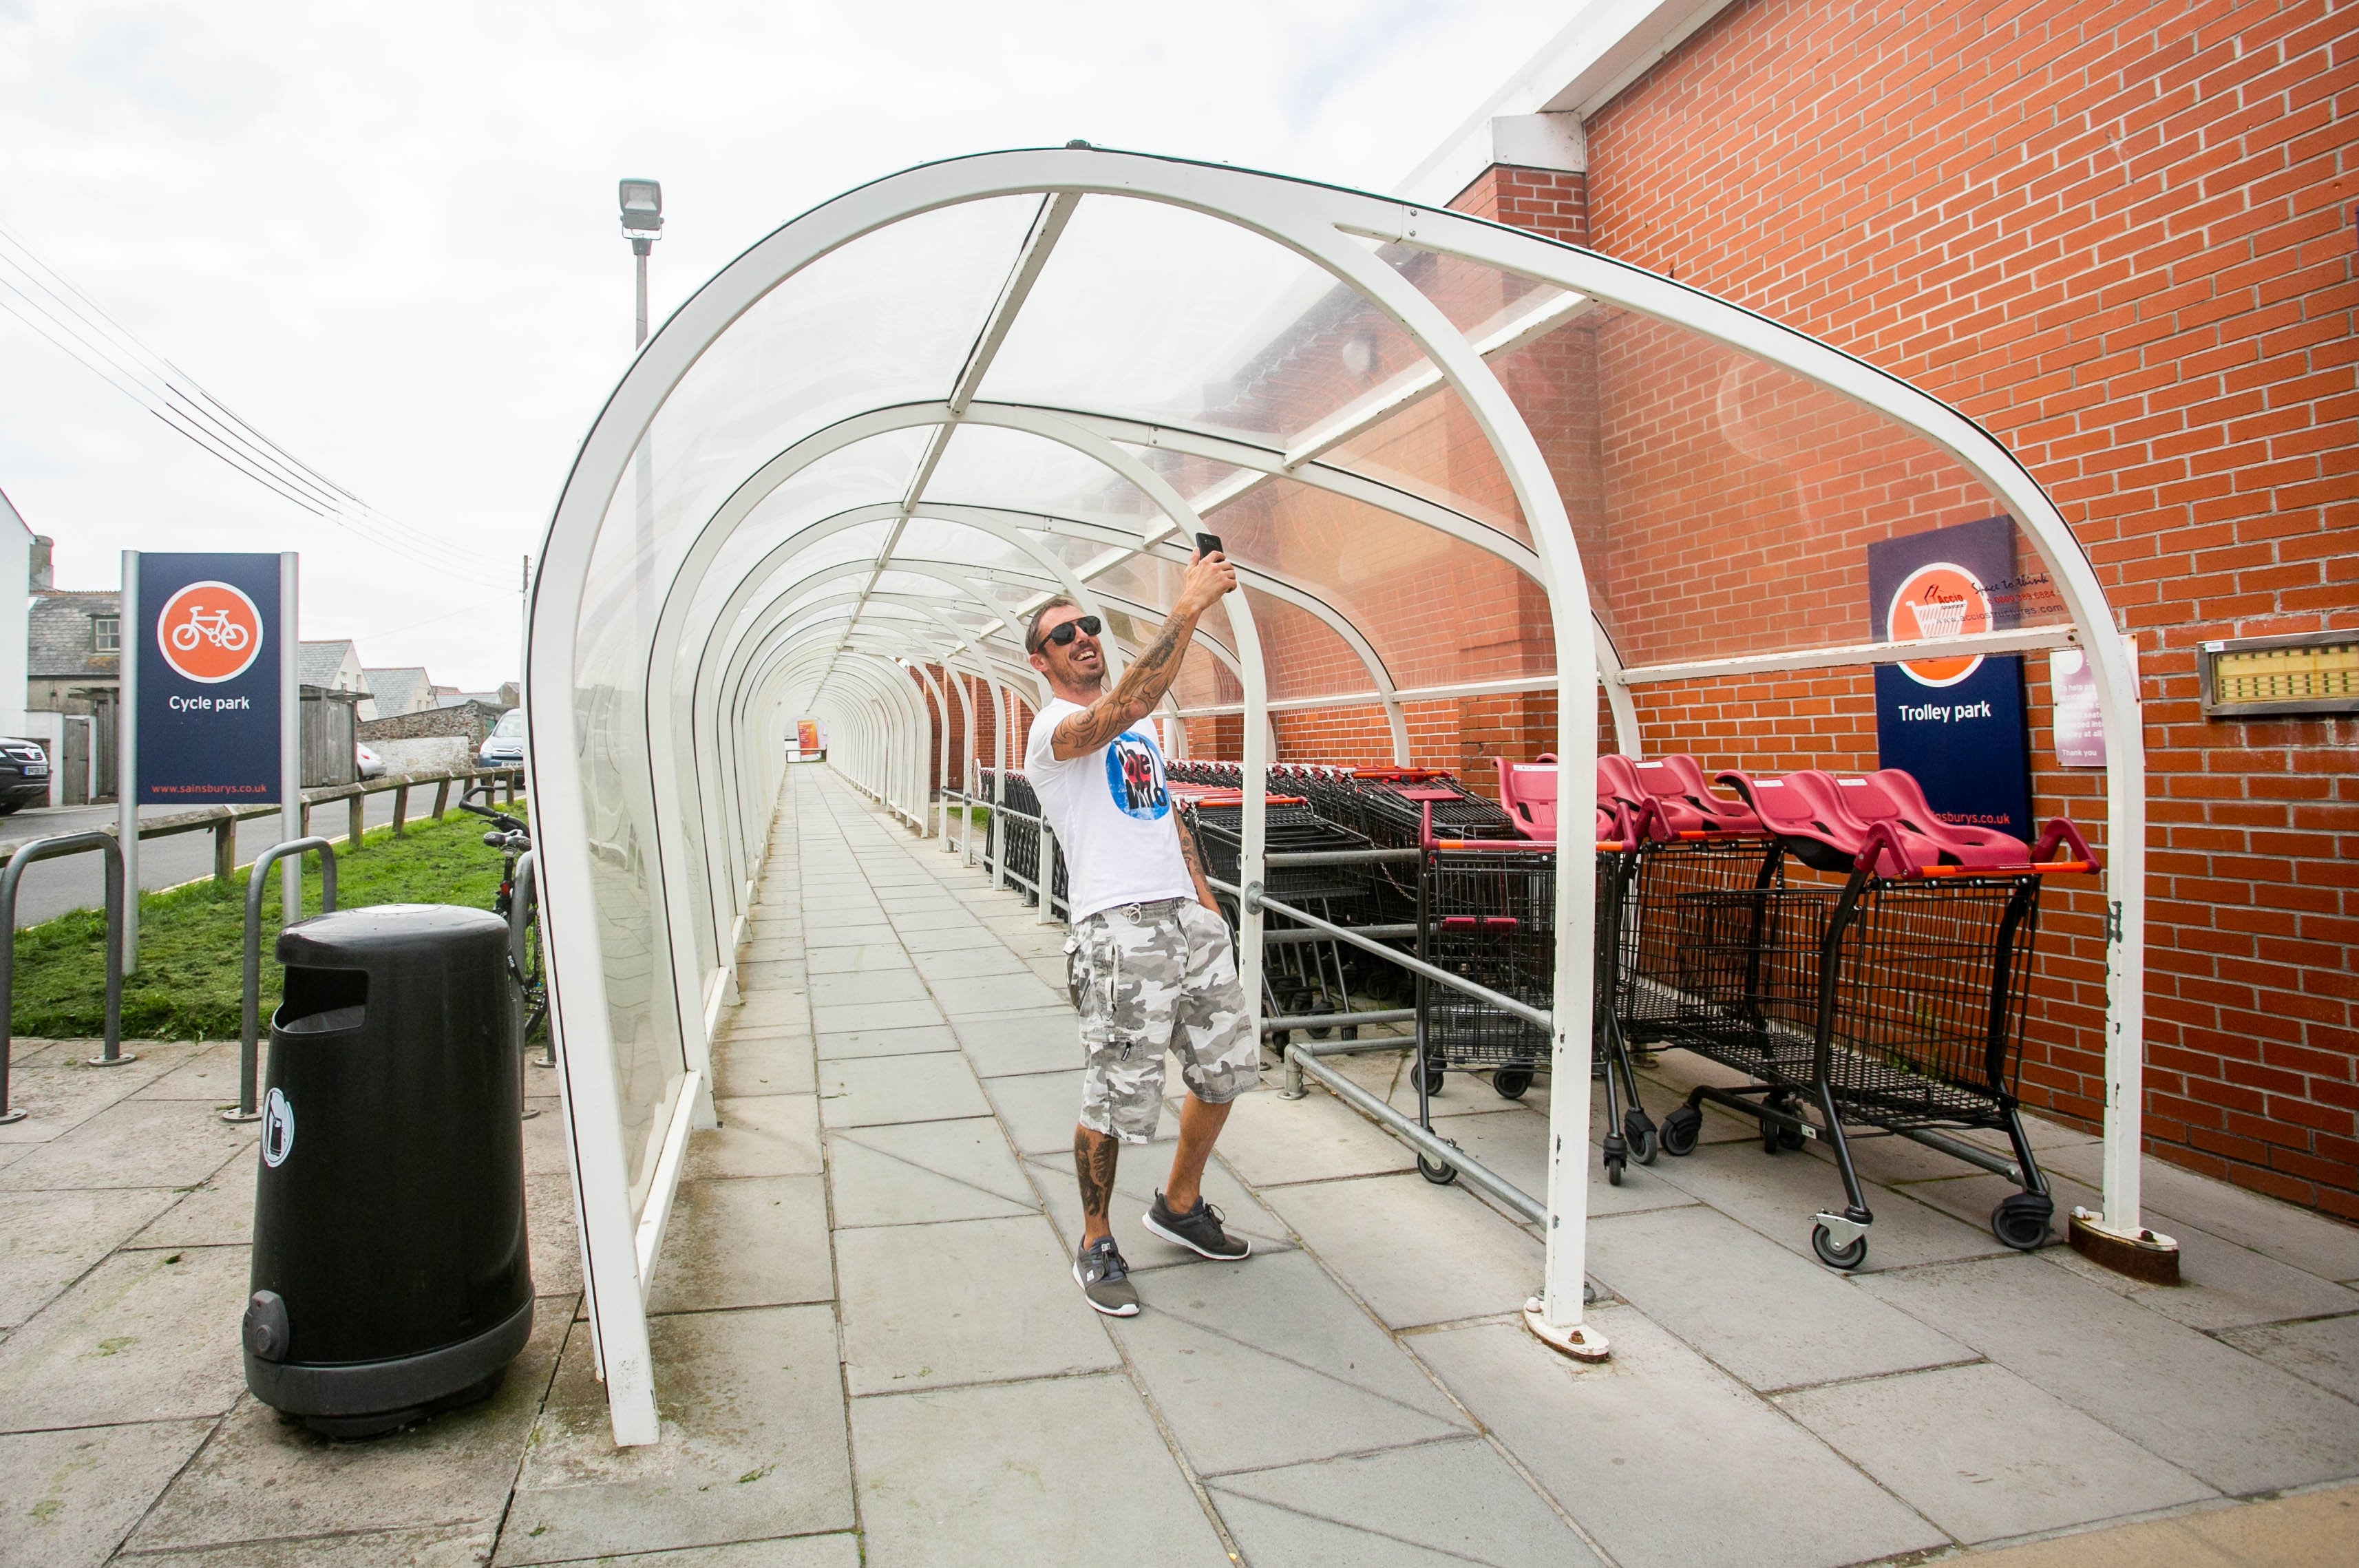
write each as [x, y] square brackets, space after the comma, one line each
[1936, 601]
[210, 632]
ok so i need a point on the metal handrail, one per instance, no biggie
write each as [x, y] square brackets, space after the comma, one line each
[1253, 898]
[250, 1022]
[524, 907]
[23, 855]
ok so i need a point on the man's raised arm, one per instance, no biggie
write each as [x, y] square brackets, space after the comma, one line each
[1151, 673]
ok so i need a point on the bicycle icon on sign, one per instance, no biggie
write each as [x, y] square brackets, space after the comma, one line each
[214, 627]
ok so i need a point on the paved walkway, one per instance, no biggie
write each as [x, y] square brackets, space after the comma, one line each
[870, 1349]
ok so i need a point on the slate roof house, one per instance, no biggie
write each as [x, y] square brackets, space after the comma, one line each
[402, 689]
[73, 650]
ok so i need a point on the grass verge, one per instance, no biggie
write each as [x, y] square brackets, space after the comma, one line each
[192, 939]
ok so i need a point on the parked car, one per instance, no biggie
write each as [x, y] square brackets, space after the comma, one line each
[504, 747]
[366, 764]
[24, 774]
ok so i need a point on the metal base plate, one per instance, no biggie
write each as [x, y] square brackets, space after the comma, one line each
[2145, 1255]
[111, 1060]
[1580, 1341]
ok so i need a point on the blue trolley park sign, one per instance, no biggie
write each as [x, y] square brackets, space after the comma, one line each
[209, 703]
[1957, 724]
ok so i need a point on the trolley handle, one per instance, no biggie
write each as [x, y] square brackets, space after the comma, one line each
[1882, 838]
[2059, 834]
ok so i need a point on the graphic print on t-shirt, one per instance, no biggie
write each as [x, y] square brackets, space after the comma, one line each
[1134, 777]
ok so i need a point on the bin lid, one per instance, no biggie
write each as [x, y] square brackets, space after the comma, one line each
[352, 938]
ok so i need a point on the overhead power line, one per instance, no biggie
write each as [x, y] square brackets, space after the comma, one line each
[45, 300]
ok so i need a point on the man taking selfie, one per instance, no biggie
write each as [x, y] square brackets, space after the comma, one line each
[1150, 951]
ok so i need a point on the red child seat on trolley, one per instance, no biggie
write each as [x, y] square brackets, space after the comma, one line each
[1528, 789]
[1838, 811]
[1672, 790]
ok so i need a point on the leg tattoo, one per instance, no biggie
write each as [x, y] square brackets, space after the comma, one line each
[1093, 1162]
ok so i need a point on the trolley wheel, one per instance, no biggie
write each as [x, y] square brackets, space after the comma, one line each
[1645, 1147]
[1613, 1171]
[1281, 1039]
[1351, 1031]
[1835, 1257]
[1791, 1137]
[1770, 1142]
[2020, 1220]
[1681, 1128]
[1440, 1175]
[1434, 1074]
[1511, 1081]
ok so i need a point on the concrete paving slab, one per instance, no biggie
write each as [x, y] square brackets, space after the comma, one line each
[1770, 1318]
[787, 975]
[755, 1241]
[1069, 1471]
[1137, 1174]
[1666, 1461]
[962, 962]
[262, 1477]
[937, 915]
[765, 1011]
[2229, 1419]
[872, 1090]
[953, 938]
[56, 1097]
[1453, 1501]
[1041, 1109]
[549, 1234]
[866, 988]
[967, 998]
[1007, 1044]
[156, 1142]
[2306, 1241]
[888, 957]
[1267, 1363]
[1414, 1252]
[145, 1336]
[753, 1444]
[768, 949]
[1270, 1141]
[830, 930]
[926, 1171]
[72, 1496]
[1777, 1194]
[837, 1551]
[217, 1213]
[2325, 1352]
[48, 1240]
[772, 1135]
[1515, 1146]
[743, 1069]
[207, 1074]
[843, 1045]
[544, 1140]
[2222, 1285]
[874, 1016]
[436, 1546]
[1987, 1455]
[1014, 1311]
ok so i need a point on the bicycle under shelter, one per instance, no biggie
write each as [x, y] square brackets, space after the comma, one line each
[1451, 460]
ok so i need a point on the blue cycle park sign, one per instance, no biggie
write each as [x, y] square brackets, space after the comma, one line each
[212, 649]
[1956, 723]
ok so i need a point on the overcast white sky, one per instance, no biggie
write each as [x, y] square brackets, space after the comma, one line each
[386, 235]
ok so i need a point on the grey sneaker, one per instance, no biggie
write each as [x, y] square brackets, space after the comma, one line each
[1199, 1230]
[1105, 1279]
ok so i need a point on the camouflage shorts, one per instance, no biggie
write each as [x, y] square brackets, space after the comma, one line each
[1151, 978]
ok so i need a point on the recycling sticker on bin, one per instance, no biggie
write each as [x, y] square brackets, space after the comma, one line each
[210, 651]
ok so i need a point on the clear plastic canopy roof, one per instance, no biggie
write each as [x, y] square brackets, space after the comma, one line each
[1448, 457]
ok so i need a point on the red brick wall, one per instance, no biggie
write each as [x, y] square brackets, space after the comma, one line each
[2121, 236]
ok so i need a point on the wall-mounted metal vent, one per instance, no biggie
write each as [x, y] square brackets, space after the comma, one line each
[2315, 673]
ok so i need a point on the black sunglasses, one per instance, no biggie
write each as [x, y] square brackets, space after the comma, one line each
[1062, 633]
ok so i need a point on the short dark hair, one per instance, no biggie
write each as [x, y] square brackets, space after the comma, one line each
[1032, 632]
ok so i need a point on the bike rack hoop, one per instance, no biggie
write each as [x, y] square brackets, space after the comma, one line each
[250, 1023]
[50, 848]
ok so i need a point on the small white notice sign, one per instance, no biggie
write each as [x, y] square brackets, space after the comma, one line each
[2080, 727]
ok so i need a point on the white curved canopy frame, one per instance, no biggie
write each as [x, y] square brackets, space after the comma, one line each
[640, 769]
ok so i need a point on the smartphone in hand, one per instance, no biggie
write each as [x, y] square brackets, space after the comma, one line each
[1207, 544]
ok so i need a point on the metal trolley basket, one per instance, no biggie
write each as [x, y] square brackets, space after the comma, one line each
[1304, 972]
[1894, 1001]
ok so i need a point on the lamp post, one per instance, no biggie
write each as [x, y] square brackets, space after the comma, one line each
[642, 226]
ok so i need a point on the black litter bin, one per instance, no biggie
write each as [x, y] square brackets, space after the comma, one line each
[390, 1274]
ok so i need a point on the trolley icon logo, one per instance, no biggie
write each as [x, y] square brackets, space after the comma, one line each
[210, 632]
[1134, 777]
[1938, 600]
[277, 1129]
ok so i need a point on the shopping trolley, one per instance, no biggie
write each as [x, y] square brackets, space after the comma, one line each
[1304, 973]
[1894, 1001]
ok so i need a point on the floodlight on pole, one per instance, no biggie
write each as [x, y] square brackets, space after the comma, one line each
[642, 201]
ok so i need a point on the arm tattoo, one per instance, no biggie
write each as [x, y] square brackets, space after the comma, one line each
[1093, 1158]
[1134, 696]
[1193, 856]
